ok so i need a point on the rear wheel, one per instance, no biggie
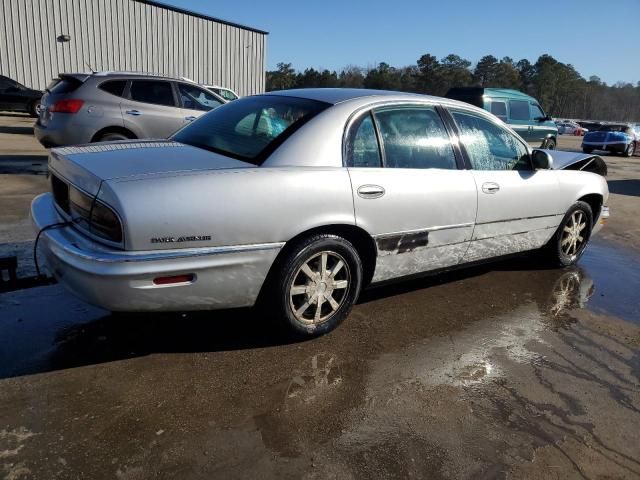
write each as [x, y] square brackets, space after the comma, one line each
[317, 284]
[33, 108]
[113, 136]
[570, 240]
[550, 144]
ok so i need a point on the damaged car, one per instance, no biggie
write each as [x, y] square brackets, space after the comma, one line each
[297, 200]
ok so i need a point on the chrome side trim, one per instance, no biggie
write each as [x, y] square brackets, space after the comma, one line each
[147, 256]
[420, 230]
[521, 218]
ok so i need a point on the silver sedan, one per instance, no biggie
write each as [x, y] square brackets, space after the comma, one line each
[299, 199]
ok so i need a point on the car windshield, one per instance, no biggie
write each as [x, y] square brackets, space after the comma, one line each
[250, 128]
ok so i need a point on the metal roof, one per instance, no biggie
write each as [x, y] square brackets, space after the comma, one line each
[199, 15]
[338, 95]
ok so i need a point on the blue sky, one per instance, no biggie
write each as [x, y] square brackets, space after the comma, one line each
[597, 37]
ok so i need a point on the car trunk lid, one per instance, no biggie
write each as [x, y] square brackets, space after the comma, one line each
[86, 166]
[59, 88]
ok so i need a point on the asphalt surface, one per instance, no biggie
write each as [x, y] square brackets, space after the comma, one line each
[508, 370]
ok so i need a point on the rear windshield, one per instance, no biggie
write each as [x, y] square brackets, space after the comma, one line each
[250, 128]
[64, 85]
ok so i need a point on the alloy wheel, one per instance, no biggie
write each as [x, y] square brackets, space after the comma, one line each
[319, 287]
[573, 234]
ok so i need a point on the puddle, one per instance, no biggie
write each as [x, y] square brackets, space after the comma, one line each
[615, 273]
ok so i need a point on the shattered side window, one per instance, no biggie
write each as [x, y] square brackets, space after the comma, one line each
[489, 146]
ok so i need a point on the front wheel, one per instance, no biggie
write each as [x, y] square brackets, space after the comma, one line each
[316, 285]
[630, 150]
[550, 144]
[570, 240]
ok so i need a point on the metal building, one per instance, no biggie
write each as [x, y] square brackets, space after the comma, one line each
[41, 38]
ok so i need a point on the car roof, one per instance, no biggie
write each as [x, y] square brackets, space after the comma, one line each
[339, 95]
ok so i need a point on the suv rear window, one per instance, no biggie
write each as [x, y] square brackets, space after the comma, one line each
[250, 128]
[152, 91]
[114, 87]
[64, 85]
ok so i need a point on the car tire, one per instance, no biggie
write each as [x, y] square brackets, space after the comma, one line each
[549, 144]
[576, 225]
[630, 150]
[324, 269]
[113, 137]
[33, 109]
[587, 150]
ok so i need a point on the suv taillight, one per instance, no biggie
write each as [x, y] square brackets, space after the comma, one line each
[67, 106]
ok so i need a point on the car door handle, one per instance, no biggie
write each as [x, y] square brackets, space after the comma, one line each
[371, 191]
[190, 118]
[135, 113]
[490, 187]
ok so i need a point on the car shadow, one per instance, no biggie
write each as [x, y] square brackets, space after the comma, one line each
[23, 164]
[16, 130]
[47, 329]
[625, 187]
[15, 114]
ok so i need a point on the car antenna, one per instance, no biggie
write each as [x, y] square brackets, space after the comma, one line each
[87, 64]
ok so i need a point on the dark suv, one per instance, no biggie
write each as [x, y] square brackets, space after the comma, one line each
[16, 97]
[83, 108]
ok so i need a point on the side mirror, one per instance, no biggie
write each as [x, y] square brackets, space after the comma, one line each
[541, 160]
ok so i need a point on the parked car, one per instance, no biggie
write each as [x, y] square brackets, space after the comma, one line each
[82, 108]
[589, 126]
[569, 127]
[301, 198]
[518, 110]
[614, 138]
[16, 97]
[225, 93]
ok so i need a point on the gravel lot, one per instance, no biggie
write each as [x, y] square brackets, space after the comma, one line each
[506, 370]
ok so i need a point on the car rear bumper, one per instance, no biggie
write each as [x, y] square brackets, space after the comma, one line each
[62, 132]
[223, 277]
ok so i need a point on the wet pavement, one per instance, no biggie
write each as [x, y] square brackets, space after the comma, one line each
[501, 370]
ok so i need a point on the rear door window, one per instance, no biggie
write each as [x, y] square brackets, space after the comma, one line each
[114, 87]
[414, 137]
[157, 92]
[362, 147]
[519, 110]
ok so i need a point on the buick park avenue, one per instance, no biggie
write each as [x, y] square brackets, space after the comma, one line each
[302, 198]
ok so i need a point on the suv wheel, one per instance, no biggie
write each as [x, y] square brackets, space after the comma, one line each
[549, 144]
[112, 137]
[317, 284]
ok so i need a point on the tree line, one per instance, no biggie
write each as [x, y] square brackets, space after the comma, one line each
[562, 91]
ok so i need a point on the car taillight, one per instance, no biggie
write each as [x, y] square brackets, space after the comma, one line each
[98, 218]
[72, 105]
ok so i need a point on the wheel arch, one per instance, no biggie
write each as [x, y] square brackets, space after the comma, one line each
[594, 200]
[362, 241]
[113, 129]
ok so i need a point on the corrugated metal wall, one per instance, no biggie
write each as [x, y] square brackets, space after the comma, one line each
[126, 35]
